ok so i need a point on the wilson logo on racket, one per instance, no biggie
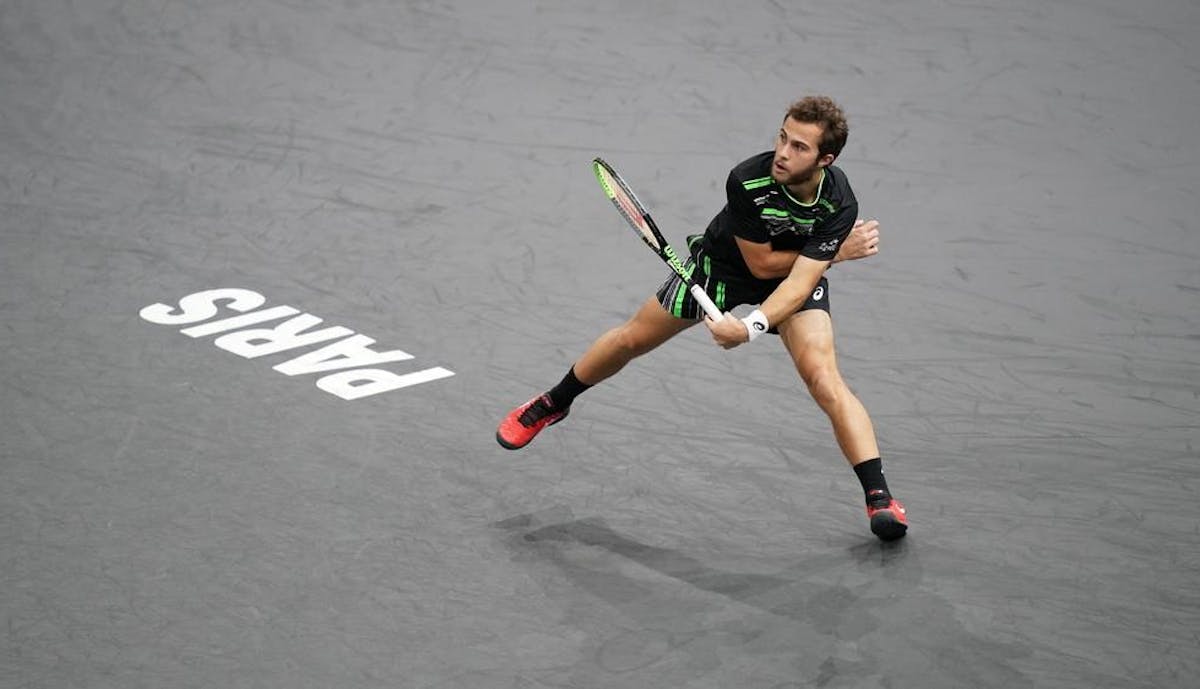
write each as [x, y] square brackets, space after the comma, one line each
[673, 260]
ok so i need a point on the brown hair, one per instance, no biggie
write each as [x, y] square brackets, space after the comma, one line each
[824, 111]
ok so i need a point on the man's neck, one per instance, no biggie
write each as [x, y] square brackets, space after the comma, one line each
[806, 192]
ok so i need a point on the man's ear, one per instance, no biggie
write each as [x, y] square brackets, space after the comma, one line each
[825, 160]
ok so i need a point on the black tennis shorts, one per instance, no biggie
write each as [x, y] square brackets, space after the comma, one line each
[677, 300]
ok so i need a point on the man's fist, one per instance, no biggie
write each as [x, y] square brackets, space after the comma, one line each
[862, 242]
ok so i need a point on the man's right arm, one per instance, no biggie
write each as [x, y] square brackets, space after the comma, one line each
[862, 242]
[766, 263]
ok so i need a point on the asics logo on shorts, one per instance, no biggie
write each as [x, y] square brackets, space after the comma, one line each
[818, 293]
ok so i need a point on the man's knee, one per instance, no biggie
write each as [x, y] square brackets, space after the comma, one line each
[817, 366]
[629, 339]
[824, 384]
[644, 332]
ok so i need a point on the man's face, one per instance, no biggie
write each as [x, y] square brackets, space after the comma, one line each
[796, 155]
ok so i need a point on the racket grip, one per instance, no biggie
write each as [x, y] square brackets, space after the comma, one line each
[705, 303]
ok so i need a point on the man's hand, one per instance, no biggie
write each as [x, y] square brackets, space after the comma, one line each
[862, 242]
[728, 332]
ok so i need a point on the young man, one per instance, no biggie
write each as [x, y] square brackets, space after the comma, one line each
[789, 214]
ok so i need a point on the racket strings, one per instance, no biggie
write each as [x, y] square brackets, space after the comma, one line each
[634, 214]
[628, 206]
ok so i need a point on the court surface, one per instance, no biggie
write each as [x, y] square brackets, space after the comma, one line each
[177, 512]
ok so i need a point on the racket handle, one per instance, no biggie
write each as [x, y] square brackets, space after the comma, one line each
[705, 303]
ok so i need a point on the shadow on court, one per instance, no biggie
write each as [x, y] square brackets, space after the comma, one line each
[812, 602]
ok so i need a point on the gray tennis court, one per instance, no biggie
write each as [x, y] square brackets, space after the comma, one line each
[193, 495]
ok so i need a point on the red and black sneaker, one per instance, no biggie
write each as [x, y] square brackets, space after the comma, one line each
[527, 420]
[888, 519]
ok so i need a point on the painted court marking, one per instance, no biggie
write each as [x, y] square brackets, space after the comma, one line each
[350, 353]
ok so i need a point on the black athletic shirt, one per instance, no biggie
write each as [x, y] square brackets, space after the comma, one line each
[759, 209]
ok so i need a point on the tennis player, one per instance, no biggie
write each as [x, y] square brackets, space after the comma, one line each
[789, 214]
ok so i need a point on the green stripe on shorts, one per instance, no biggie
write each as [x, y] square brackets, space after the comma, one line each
[680, 292]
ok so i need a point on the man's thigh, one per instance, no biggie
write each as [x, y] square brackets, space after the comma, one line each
[808, 337]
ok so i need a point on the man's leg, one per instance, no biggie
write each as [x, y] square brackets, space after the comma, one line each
[808, 337]
[651, 326]
[647, 329]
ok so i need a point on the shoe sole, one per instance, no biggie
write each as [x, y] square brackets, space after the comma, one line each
[509, 446]
[887, 527]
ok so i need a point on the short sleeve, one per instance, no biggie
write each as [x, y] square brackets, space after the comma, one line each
[823, 245]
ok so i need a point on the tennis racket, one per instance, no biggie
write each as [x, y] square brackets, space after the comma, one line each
[639, 219]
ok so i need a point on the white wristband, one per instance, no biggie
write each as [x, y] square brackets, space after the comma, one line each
[756, 324]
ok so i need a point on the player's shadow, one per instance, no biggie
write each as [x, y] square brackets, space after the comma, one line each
[798, 591]
[847, 595]
[596, 533]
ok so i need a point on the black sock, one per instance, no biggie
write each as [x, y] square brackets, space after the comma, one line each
[870, 475]
[567, 390]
